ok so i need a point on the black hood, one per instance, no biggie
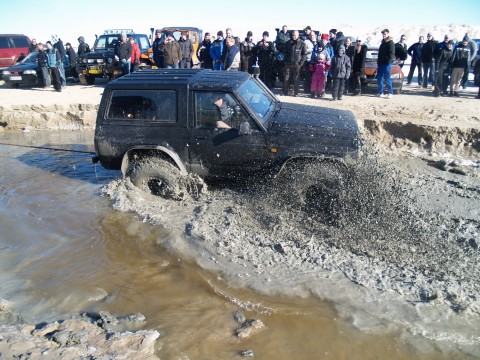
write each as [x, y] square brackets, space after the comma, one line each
[327, 131]
[314, 118]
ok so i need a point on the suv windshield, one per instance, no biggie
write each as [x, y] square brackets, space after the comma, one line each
[106, 42]
[257, 99]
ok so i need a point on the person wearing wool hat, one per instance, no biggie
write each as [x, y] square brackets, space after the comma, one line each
[247, 53]
[216, 50]
[265, 53]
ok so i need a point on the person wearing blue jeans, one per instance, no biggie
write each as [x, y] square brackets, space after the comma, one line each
[384, 72]
[386, 55]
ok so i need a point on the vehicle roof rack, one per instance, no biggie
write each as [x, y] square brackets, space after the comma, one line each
[118, 31]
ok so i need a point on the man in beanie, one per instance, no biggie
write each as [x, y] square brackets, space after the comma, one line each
[472, 46]
[216, 50]
[123, 53]
[157, 48]
[386, 55]
[83, 47]
[461, 56]
[265, 52]
[428, 61]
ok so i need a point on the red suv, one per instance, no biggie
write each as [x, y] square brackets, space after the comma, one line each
[12, 48]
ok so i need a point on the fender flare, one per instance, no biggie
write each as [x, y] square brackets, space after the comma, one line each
[171, 154]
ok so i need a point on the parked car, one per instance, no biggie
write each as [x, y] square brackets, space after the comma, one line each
[13, 48]
[100, 62]
[160, 126]
[369, 82]
[28, 73]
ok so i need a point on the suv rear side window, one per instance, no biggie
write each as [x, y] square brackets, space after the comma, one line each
[142, 42]
[158, 105]
[20, 42]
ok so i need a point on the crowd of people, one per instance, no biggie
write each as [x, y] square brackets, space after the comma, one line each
[335, 63]
[323, 63]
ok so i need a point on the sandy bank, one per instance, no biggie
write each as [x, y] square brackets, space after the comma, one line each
[410, 121]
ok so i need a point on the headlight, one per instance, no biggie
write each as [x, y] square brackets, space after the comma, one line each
[395, 76]
[110, 60]
[29, 72]
[5, 72]
[90, 61]
[85, 60]
[100, 61]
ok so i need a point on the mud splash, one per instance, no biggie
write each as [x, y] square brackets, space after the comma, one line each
[411, 265]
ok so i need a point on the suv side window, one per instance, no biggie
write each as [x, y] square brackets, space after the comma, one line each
[142, 42]
[159, 105]
[20, 42]
[214, 107]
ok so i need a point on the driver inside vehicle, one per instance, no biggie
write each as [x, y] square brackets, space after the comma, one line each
[212, 110]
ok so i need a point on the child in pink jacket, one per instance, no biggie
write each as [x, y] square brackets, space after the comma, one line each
[318, 80]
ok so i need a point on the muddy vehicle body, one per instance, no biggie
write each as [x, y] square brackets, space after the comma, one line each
[100, 62]
[160, 125]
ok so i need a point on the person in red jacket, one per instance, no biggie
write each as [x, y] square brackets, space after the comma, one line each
[135, 59]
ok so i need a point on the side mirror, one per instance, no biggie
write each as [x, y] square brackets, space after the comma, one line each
[245, 128]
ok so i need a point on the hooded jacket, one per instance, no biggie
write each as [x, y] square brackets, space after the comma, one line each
[340, 67]
[386, 52]
[83, 47]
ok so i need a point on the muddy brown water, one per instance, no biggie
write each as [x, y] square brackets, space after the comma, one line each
[65, 250]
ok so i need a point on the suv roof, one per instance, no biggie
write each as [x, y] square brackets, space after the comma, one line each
[198, 79]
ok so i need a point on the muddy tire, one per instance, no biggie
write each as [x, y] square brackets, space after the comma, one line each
[159, 177]
[315, 187]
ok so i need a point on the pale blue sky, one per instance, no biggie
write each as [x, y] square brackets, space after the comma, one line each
[70, 19]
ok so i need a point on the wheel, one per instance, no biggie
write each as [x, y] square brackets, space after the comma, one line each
[314, 187]
[86, 79]
[159, 177]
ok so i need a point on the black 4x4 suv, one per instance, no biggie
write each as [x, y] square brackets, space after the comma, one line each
[101, 62]
[159, 126]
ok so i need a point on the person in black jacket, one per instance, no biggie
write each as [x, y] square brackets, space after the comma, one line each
[203, 53]
[265, 51]
[83, 47]
[386, 55]
[123, 53]
[248, 53]
[72, 60]
[157, 48]
[443, 62]
[428, 61]
[415, 52]
[295, 56]
[358, 68]
[460, 58]
[42, 62]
